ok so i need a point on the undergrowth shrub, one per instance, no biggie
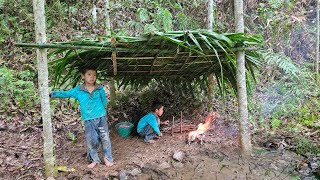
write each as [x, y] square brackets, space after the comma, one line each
[17, 89]
[306, 147]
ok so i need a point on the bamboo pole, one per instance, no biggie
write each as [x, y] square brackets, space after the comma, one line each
[163, 65]
[132, 49]
[181, 122]
[164, 57]
[114, 56]
[317, 43]
[172, 125]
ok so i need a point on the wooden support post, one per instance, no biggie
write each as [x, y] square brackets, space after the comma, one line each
[172, 126]
[114, 57]
[43, 73]
[181, 122]
[115, 72]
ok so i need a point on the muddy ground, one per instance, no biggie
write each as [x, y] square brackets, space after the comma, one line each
[169, 158]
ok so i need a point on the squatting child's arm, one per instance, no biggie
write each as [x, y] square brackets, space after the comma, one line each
[166, 122]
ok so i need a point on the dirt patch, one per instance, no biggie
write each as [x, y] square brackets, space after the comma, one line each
[218, 157]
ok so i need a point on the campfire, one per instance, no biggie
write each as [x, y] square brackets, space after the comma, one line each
[198, 134]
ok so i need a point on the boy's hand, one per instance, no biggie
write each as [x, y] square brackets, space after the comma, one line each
[166, 122]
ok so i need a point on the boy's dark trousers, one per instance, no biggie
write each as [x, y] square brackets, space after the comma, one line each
[148, 133]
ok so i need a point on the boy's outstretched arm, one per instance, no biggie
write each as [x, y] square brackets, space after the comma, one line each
[64, 94]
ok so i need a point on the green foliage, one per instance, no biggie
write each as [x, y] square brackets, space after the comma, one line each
[306, 147]
[17, 87]
[205, 46]
[281, 61]
[308, 113]
[142, 15]
[167, 20]
[275, 123]
[72, 137]
[16, 22]
[276, 3]
[295, 102]
[137, 100]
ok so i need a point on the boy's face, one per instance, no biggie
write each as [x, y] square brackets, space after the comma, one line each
[159, 111]
[89, 77]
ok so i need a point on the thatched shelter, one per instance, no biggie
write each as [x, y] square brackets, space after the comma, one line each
[176, 55]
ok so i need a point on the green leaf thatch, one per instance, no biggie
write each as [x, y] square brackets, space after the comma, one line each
[172, 56]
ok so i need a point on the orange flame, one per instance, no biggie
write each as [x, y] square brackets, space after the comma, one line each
[202, 127]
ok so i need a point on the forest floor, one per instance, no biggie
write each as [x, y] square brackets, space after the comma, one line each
[169, 158]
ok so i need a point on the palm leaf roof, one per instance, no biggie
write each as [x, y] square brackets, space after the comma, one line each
[175, 55]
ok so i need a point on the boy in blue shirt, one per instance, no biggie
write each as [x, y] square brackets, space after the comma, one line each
[148, 125]
[92, 100]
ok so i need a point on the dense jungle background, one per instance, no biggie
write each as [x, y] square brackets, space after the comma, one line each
[284, 101]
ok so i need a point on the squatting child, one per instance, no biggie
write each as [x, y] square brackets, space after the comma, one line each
[148, 125]
[92, 100]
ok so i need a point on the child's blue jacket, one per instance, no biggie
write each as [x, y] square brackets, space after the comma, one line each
[149, 119]
[91, 105]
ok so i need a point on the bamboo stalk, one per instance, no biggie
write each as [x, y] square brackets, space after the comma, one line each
[163, 65]
[172, 125]
[162, 57]
[114, 56]
[122, 49]
[85, 47]
[181, 122]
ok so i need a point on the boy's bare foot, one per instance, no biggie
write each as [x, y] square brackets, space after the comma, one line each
[92, 165]
[107, 163]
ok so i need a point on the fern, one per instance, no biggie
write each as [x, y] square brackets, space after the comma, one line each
[167, 20]
[2, 3]
[142, 15]
[283, 62]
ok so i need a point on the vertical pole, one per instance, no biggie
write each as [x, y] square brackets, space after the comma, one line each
[181, 122]
[317, 43]
[42, 65]
[172, 125]
[108, 32]
[245, 136]
[211, 81]
[210, 15]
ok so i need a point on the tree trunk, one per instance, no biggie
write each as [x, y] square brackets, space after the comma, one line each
[211, 81]
[108, 32]
[317, 43]
[40, 32]
[107, 16]
[210, 15]
[245, 136]
[94, 15]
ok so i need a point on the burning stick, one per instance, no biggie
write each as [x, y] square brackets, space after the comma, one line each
[202, 128]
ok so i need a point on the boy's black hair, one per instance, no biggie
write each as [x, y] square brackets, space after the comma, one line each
[85, 68]
[156, 105]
